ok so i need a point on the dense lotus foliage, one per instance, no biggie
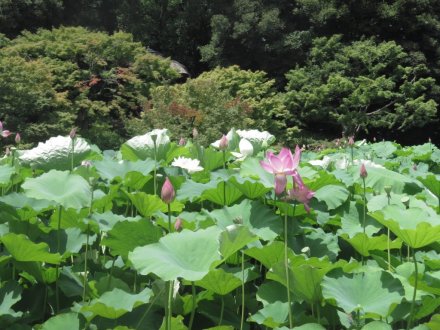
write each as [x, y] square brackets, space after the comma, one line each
[164, 234]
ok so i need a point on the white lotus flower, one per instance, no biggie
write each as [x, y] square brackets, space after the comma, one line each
[257, 136]
[246, 149]
[191, 165]
[324, 162]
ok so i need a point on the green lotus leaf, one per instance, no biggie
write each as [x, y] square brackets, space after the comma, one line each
[217, 195]
[20, 201]
[234, 238]
[65, 321]
[191, 190]
[320, 244]
[125, 236]
[363, 243]
[112, 169]
[372, 293]
[309, 326]
[188, 255]
[219, 281]
[147, 205]
[378, 178]
[23, 249]
[259, 218]
[249, 187]
[251, 167]
[269, 254]
[431, 182]
[55, 154]
[142, 147]
[71, 240]
[305, 276]
[60, 187]
[176, 324]
[351, 221]
[332, 195]
[272, 315]
[383, 149]
[414, 226]
[377, 325]
[434, 323]
[211, 159]
[10, 293]
[270, 292]
[115, 303]
[107, 220]
[6, 172]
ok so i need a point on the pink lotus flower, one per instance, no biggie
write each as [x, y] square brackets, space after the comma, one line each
[300, 192]
[282, 165]
[167, 193]
[5, 133]
[182, 141]
[351, 141]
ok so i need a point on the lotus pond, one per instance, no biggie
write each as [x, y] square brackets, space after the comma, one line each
[165, 235]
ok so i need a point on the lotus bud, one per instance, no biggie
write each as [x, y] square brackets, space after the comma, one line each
[7, 152]
[223, 143]
[306, 251]
[414, 167]
[72, 133]
[374, 139]
[178, 224]
[5, 133]
[195, 133]
[388, 190]
[167, 193]
[351, 141]
[86, 163]
[363, 171]
[182, 141]
[17, 138]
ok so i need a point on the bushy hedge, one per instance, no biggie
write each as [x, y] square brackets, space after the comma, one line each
[54, 80]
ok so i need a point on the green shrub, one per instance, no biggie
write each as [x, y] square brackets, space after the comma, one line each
[355, 87]
[75, 77]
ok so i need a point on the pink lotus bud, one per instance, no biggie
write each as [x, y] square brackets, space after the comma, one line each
[86, 163]
[195, 133]
[363, 171]
[223, 143]
[7, 152]
[182, 141]
[5, 133]
[351, 141]
[72, 133]
[167, 194]
[17, 138]
[178, 224]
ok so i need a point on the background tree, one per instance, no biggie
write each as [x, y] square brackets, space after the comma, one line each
[359, 86]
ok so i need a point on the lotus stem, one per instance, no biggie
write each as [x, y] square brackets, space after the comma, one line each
[169, 217]
[389, 242]
[286, 266]
[85, 264]
[71, 154]
[193, 310]
[365, 205]
[242, 291]
[148, 308]
[57, 268]
[224, 183]
[169, 306]
[222, 309]
[411, 313]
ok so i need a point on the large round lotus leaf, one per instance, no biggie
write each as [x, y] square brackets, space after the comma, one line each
[415, 226]
[56, 153]
[142, 147]
[332, 195]
[5, 173]
[111, 169]
[219, 281]
[60, 187]
[23, 249]
[69, 321]
[271, 315]
[187, 254]
[116, 303]
[372, 292]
